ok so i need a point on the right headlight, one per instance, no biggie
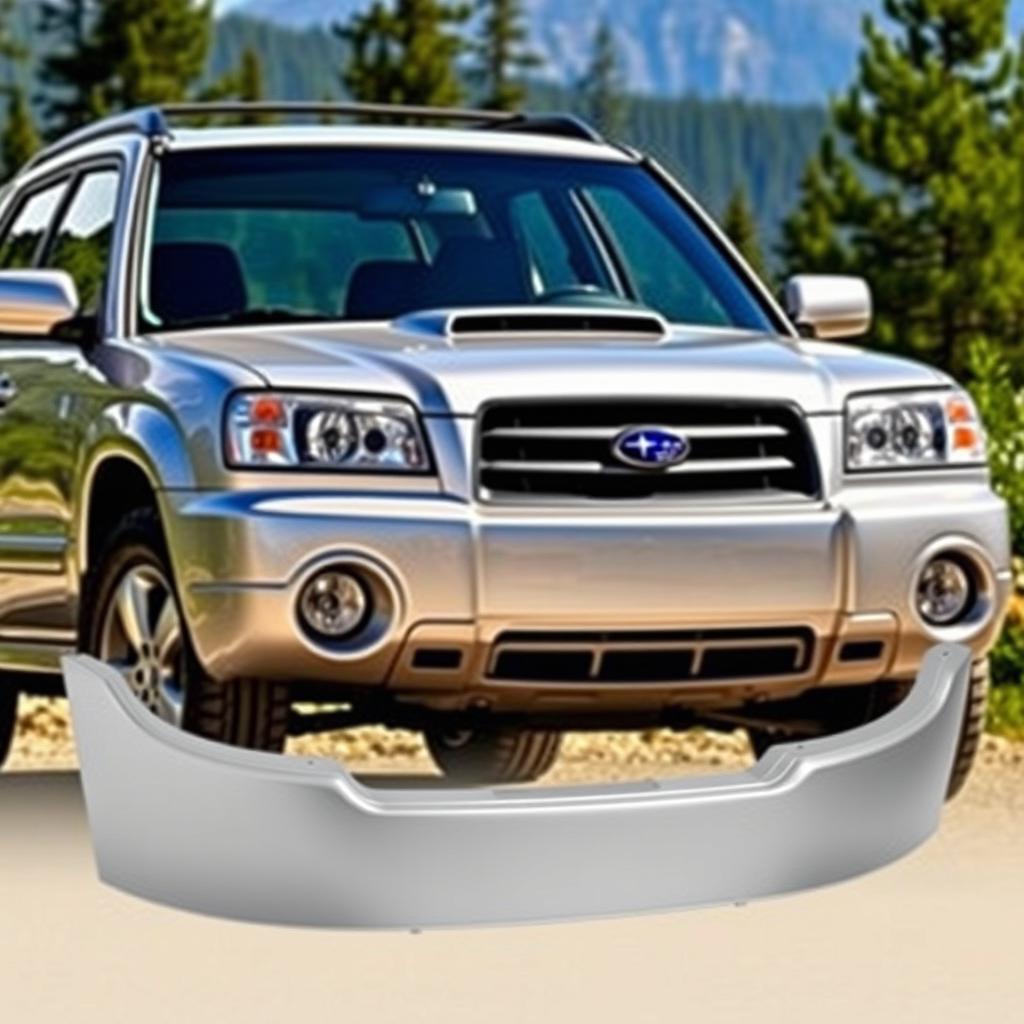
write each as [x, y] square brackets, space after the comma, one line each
[913, 430]
[268, 430]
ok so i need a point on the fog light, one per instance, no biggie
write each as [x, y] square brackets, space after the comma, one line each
[945, 591]
[335, 604]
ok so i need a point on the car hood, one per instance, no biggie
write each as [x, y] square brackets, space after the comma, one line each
[445, 375]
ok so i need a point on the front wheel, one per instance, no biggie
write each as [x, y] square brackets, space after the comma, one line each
[8, 718]
[132, 620]
[497, 755]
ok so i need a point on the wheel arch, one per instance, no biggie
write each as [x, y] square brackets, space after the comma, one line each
[127, 469]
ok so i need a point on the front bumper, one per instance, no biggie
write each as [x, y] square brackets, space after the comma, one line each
[262, 837]
[461, 576]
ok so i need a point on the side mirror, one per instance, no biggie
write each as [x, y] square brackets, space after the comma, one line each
[33, 302]
[829, 307]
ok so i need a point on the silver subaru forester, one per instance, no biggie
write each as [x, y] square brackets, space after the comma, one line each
[482, 429]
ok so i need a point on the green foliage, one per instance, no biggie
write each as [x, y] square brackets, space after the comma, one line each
[601, 91]
[924, 199]
[295, 64]
[10, 48]
[1001, 405]
[738, 223]
[115, 54]
[405, 53]
[245, 83]
[1006, 705]
[19, 139]
[502, 54]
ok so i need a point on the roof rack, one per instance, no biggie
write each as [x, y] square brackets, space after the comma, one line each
[156, 121]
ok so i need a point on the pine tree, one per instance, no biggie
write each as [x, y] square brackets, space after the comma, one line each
[10, 49]
[405, 54]
[249, 85]
[116, 54]
[927, 202]
[19, 140]
[601, 91]
[739, 224]
[502, 54]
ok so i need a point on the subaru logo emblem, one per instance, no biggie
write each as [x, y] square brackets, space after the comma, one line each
[651, 447]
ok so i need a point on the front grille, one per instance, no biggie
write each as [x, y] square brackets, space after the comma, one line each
[690, 656]
[565, 450]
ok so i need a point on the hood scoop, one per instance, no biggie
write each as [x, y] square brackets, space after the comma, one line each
[566, 322]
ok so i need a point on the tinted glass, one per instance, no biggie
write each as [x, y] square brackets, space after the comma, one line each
[19, 247]
[355, 234]
[82, 243]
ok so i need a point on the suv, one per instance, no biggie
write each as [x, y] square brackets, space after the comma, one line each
[481, 429]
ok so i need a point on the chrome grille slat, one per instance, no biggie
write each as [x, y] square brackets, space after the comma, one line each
[610, 433]
[693, 468]
[537, 450]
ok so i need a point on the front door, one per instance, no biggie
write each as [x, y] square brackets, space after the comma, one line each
[46, 390]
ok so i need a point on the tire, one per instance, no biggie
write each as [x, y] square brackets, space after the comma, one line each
[487, 756]
[858, 706]
[131, 618]
[972, 729]
[8, 718]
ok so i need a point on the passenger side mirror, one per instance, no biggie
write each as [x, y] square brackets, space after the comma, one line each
[824, 306]
[33, 302]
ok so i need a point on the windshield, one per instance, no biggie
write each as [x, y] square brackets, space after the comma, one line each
[278, 234]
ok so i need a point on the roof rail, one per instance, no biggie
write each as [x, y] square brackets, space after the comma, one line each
[156, 121]
[148, 121]
[566, 126]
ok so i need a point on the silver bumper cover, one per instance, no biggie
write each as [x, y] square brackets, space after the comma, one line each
[284, 840]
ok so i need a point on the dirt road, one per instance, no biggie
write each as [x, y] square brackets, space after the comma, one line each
[935, 938]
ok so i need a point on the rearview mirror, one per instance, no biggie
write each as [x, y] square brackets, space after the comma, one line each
[398, 202]
[33, 302]
[829, 306]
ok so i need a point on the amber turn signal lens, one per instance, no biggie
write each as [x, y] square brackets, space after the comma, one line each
[959, 411]
[965, 438]
[268, 411]
[266, 441]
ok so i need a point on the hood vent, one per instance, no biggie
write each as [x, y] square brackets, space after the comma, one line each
[546, 323]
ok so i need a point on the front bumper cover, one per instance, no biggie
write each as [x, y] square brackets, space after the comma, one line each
[284, 840]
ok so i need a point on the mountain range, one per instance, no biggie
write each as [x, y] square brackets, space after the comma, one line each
[789, 51]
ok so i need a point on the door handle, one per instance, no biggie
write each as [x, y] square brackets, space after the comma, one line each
[8, 389]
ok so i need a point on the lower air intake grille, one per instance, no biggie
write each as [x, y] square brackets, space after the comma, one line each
[567, 450]
[655, 657]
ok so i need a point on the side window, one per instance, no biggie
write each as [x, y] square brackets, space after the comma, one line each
[21, 243]
[82, 243]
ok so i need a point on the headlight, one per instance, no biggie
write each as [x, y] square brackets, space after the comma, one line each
[911, 430]
[271, 431]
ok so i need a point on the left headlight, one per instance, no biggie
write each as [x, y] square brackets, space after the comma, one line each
[913, 430]
[264, 430]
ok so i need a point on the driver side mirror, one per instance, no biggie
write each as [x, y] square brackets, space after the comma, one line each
[824, 306]
[33, 302]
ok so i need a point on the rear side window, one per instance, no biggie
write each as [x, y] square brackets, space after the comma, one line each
[21, 243]
[82, 243]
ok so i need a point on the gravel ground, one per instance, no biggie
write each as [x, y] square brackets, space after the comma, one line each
[44, 741]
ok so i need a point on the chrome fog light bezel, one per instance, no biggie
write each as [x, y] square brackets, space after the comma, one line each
[984, 576]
